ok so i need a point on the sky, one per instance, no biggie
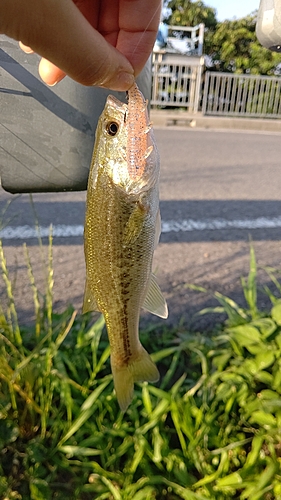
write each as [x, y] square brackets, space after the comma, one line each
[227, 9]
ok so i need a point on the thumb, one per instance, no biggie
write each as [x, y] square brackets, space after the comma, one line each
[68, 44]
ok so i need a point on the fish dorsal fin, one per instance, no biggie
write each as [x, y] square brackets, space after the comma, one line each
[157, 229]
[154, 301]
[89, 302]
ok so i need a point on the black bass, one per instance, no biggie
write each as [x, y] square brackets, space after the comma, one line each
[122, 228]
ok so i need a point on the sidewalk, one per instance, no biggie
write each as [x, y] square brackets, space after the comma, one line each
[166, 118]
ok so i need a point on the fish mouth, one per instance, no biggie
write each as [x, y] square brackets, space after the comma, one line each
[113, 102]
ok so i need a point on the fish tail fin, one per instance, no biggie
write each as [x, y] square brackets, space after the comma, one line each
[139, 370]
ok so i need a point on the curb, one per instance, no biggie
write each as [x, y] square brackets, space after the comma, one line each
[164, 118]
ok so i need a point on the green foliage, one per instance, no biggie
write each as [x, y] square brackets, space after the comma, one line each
[191, 13]
[235, 48]
[231, 44]
[211, 429]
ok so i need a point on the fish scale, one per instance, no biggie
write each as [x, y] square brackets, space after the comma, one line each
[119, 237]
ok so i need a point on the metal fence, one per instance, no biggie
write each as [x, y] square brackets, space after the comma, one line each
[241, 95]
[176, 81]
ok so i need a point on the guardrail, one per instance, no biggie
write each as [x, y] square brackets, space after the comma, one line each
[227, 94]
[176, 80]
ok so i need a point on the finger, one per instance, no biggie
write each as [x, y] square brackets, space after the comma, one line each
[131, 27]
[50, 73]
[25, 48]
[139, 22]
[61, 34]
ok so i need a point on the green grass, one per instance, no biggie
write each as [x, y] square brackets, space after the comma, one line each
[211, 428]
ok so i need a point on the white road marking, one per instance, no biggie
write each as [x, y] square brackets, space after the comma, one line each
[214, 224]
[29, 232]
[185, 225]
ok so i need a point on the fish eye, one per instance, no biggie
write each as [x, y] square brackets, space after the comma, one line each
[112, 128]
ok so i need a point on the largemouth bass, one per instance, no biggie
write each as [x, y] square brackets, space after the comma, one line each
[122, 228]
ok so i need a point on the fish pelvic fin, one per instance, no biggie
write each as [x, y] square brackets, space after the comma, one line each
[139, 370]
[157, 229]
[154, 301]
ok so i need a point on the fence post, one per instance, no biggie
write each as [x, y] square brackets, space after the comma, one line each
[206, 92]
[198, 85]
[201, 38]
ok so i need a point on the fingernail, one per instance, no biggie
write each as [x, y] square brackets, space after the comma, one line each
[125, 81]
[28, 50]
[121, 82]
[54, 83]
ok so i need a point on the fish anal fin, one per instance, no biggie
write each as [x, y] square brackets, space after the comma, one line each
[134, 225]
[139, 370]
[89, 302]
[154, 301]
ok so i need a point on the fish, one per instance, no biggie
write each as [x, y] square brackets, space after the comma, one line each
[122, 229]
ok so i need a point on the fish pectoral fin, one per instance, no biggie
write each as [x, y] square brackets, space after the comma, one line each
[154, 301]
[134, 225]
[139, 370]
[157, 229]
[89, 302]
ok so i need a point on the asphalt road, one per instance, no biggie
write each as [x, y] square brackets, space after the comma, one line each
[218, 189]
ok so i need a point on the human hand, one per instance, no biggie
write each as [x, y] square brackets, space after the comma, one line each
[95, 42]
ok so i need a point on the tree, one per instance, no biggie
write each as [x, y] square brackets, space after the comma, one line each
[189, 13]
[232, 45]
[192, 13]
[236, 49]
